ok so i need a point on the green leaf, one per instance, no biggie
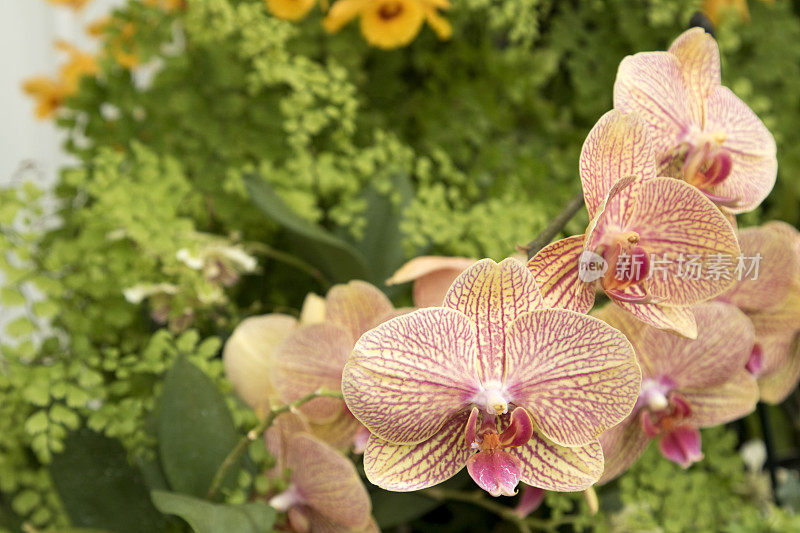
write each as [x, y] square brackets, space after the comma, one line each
[45, 309]
[195, 430]
[334, 257]
[11, 297]
[20, 327]
[99, 488]
[382, 243]
[207, 517]
[392, 509]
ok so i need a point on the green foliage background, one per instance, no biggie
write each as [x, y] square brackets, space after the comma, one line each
[465, 147]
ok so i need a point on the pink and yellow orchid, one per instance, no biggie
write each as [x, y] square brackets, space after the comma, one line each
[702, 132]
[772, 302]
[275, 358]
[325, 493]
[495, 372]
[687, 384]
[643, 229]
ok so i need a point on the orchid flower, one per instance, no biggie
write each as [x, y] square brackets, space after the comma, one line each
[275, 358]
[772, 302]
[432, 276]
[702, 132]
[686, 385]
[642, 230]
[325, 493]
[493, 381]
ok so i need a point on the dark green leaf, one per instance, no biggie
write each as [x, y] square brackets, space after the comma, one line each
[195, 430]
[382, 243]
[392, 509]
[334, 257]
[206, 517]
[99, 488]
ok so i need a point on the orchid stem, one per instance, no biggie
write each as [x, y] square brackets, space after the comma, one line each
[291, 260]
[557, 224]
[236, 453]
[766, 429]
[477, 498]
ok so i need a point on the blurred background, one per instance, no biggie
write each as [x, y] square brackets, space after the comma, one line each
[28, 29]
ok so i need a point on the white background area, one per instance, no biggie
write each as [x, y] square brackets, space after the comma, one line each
[28, 29]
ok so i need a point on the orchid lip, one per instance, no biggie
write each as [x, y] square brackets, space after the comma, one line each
[630, 298]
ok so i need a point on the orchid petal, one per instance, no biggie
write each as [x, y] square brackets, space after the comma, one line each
[777, 268]
[340, 432]
[781, 370]
[678, 319]
[682, 446]
[328, 482]
[549, 466]
[752, 149]
[492, 295]
[529, 500]
[408, 467]
[791, 233]
[698, 56]
[652, 85]
[718, 404]
[618, 146]
[622, 446]
[556, 269]
[357, 307]
[618, 318]
[497, 472]
[608, 218]
[277, 436]
[432, 277]
[674, 220]
[724, 341]
[428, 264]
[574, 374]
[248, 356]
[311, 358]
[408, 375]
[783, 319]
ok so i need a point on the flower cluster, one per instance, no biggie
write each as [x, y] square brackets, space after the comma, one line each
[276, 358]
[50, 93]
[502, 371]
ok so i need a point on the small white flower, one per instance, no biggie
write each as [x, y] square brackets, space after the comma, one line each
[138, 293]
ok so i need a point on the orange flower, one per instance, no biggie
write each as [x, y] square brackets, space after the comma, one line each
[290, 9]
[79, 64]
[122, 44]
[390, 23]
[50, 93]
[74, 4]
[715, 9]
[166, 5]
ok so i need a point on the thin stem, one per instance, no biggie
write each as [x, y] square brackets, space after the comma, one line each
[477, 498]
[291, 260]
[236, 453]
[557, 224]
[766, 429]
